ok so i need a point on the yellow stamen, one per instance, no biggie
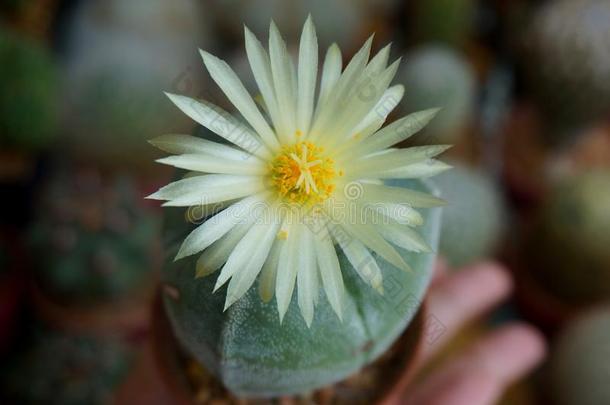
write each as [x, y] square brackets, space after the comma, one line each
[301, 174]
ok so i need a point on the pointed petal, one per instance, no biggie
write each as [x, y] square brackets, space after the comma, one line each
[331, 72]
[217, 254]
[306, 274]
[235, 91]
[261, 69]
[214, 228]
[307, 75]
[281, 69]
[269, 272]
[221, 123]
[377, 116]
[287, 270]
[373, 194]
[330, 271]
[203, 162]
[179, 144]
[248, 258]
[426, 168]
[363, 262]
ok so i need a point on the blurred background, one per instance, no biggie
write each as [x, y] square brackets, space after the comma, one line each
[525, 91]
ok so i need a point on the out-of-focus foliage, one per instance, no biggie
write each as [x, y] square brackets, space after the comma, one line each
[28, 99]
[93, 238]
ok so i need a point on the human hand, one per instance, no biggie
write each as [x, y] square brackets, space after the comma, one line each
[479, 375]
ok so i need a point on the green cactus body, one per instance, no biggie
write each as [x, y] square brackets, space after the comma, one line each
[61, 369]
[439, 76]
[568, 65]
[473, 219]
[93, 240]
[568, 247]
[28, 101]
[446, 21]
[248, 349]
[580, 362]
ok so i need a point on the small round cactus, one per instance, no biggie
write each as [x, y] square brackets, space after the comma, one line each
[568, 65]
[568, 247]
[119, 56]
[253, 354]
[473, 220]
[445, 21]
[64, 369]
[93, 240]
[28, 104]
[439, 76]
[579, 365]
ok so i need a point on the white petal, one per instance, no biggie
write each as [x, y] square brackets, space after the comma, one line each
[247, 259]
[355, 223]
[203, 162]
[217, 254]
[179, 144]
[221, 123]
[345, 85]
[287, 270]
[404, 237]
[400, 213]
[379, 61]
[377, 116]
[269, 272]
[307, 74]
[363, 97]
[214, 228]
[307, 269]
[235, 91]
[209, 189]
[370, 166]
[398, 131]
[330, 75]
[363, 262]
[330, 271]
[427, 168]
[261, 69]
[372, 194]
[281, 69]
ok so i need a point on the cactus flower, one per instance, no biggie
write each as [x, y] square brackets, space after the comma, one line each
[306, 174]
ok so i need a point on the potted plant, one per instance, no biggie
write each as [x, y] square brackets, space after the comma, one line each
[307, 245]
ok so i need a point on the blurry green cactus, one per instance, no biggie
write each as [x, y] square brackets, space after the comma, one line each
[55, 368]
[473, 220]
[568, 63]
[579, 365]
[254, 354]
[28, 101]
[446, 21]
[568, 248]
[439, 76]
[92, 239]
[119, 56]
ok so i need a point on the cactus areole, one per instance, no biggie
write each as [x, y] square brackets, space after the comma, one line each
[310, 201]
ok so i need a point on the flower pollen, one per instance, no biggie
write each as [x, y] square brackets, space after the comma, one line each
[300, 174]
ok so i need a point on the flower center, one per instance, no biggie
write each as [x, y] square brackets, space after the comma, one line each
[301, 174]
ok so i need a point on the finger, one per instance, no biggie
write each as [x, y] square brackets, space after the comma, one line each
[481, 374]
[441, 269]
[461, 297]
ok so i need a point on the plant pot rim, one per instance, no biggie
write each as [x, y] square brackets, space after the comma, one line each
[165, 349]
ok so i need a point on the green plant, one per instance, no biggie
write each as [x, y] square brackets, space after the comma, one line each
[472, 222]
[580, 361]
[93, 240]
[312, 203]
[28, 101]
[568, 65]
[568, 247]
[438, 75]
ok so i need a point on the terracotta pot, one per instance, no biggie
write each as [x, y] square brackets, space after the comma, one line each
[159, 376]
